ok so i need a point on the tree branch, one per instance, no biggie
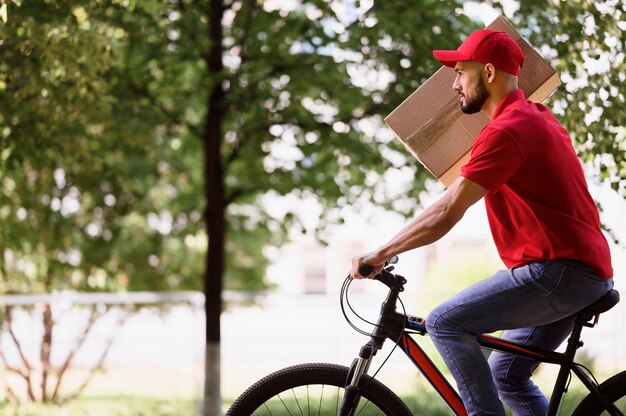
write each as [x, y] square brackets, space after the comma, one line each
[15, 370]
[100, 364]
[372, 109]
[26, 369]
[7, 388]
[68, 360]
[232, 197]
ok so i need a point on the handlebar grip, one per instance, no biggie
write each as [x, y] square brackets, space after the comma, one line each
[365, 270]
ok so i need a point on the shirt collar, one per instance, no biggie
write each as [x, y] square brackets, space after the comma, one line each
[508, 100]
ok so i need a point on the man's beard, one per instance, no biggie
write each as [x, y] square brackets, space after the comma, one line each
[475, 102]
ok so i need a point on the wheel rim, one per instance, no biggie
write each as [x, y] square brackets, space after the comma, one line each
[312, 400]
[621, 405]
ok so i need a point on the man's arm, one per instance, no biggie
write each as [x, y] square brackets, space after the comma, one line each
[428, 227]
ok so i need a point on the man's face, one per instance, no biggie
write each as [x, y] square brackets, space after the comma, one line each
[470, 86]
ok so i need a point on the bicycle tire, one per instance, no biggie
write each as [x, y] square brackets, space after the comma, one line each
[307, 377]
[614, 388]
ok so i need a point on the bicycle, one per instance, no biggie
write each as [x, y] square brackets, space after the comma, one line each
[291, 391]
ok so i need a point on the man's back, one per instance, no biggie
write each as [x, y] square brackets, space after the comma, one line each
[539, 207]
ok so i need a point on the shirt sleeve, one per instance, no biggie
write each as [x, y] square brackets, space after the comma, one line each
[495, 157]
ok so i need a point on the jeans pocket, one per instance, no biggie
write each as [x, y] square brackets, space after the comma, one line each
[580, 271]
[546, 275]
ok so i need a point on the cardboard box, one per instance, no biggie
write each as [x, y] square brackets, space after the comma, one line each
[432, 126]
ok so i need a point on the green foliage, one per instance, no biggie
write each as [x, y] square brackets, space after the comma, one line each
[106, 406]
[306, 90]
[87, 184]
[104, 110]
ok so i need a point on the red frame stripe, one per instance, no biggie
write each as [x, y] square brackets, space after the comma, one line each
[434, 376]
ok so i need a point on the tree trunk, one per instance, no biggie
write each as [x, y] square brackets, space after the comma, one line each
[46, 344]
[215, 214]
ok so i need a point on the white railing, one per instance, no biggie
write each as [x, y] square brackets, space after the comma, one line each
[111, 298]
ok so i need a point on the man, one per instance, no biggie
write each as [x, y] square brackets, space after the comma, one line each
[542, 218]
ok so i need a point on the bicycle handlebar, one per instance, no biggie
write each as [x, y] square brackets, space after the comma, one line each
[366, 269]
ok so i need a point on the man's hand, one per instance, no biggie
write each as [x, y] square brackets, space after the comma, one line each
[373, 259]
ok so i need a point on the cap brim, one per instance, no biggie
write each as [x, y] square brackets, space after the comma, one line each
[450, 58]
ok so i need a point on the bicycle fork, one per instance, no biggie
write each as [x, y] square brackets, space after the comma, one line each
[358, 369]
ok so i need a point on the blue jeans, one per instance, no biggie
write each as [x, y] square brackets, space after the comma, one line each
[536, 304]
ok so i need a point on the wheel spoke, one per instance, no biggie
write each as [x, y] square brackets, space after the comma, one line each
[363, 407]
[311, 386]
[297, 402]
[284, 405]
[268, 409]
[319, 409]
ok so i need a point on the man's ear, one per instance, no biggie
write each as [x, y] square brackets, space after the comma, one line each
[490, 72]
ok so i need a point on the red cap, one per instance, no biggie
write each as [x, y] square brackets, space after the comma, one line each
[487, 47]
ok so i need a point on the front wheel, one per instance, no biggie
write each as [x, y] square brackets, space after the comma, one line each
[314, 389]
[615, 390]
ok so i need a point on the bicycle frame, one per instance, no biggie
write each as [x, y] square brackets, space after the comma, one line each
[396, 326]
[434, 376]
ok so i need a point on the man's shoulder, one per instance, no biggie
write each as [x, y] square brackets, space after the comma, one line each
[497, 130]
[522, 116]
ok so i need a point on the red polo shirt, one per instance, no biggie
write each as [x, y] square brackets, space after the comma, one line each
[538, 205]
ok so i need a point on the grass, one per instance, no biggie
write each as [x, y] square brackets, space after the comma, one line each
[106, 406]
[137, 390]
[424, 402]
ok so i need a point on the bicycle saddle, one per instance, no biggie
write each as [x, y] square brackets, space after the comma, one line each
[602, 305]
